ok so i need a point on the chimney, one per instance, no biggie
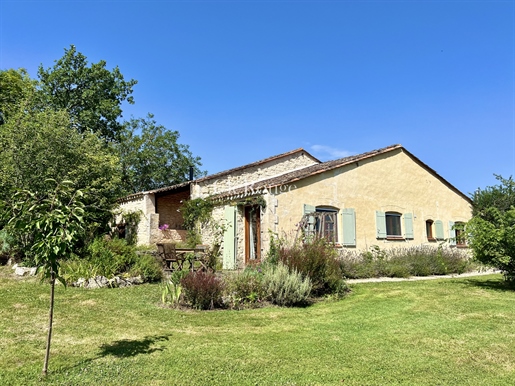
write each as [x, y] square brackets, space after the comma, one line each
[191, 173]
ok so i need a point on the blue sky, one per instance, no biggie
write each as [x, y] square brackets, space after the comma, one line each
[244, 80]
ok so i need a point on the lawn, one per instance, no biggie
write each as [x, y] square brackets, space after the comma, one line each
[438, 332]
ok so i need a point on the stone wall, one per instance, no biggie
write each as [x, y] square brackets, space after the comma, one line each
[145, 204]
[248, 176]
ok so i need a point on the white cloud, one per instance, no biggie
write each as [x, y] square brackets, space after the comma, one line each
[322, 151]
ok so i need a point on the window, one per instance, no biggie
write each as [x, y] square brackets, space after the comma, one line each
[439, 230]
[393, 225]
[429, 231]
[320, 221]
[349, 227]
[459, 229]
[327, 223]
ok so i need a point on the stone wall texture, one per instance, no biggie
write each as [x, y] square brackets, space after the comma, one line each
[248, 176]
[145, 205]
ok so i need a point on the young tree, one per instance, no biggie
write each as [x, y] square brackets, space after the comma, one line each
[92, 95]
[53, 222]
[491, 231]
[153, 158]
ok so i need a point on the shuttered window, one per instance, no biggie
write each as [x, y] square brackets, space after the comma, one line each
[309, 227]
[439, 230]
[408, 226]
[390, 226]
[380, 225]
[229, 256]
[452, 233]
[349, 227]
[320, 221]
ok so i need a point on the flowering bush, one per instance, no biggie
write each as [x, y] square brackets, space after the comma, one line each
[164, 227]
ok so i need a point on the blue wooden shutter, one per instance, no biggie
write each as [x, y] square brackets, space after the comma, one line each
[349, 227]
[310, 228]
[452, 233]
[408, 226]
[439, 230]
[381, 224]
[229, 257]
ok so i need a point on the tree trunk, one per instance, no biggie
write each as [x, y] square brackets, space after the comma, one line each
[50, 320]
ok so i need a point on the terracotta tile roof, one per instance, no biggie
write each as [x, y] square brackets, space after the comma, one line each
[133, 196]
[257, 163]
[258, 187]
[303, 173]
[288, 178]
[218, 175]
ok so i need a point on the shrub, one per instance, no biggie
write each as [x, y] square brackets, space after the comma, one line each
[74, 268]
[404, 262]
[318, 260]
[111, 258]
[7, 246]
[147, 267]
[203, 290]
[244, 288]
[276, 244]
[103, 258]
[285, 287]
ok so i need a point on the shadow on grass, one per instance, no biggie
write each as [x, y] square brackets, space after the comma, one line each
[493, 284]
[129, 348]
[124, 348]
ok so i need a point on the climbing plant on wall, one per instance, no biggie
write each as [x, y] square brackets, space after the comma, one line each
[131, 221]
[195, 212]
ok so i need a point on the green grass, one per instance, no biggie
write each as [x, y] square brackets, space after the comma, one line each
[439, 332]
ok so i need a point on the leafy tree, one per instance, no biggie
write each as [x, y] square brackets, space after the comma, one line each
[38, 145]
[14, 86]
[500, 196]
[153, 158]
[66, 127]
[92, 95]
[54, 222]
[491, 231]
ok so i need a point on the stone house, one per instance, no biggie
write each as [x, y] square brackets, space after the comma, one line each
[386, 197]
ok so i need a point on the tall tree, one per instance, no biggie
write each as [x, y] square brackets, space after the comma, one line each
[39, 144]
[14, 86]
[491, 231]
[92, 94]
[153, 158]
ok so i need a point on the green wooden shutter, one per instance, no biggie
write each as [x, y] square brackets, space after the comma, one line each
[439, 230]
[381, 224]
[349, 227]
[452, 233]
[229, 257]
[408, 226]
[310, 228]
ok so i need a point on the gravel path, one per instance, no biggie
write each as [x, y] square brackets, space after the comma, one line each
[415, 278]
